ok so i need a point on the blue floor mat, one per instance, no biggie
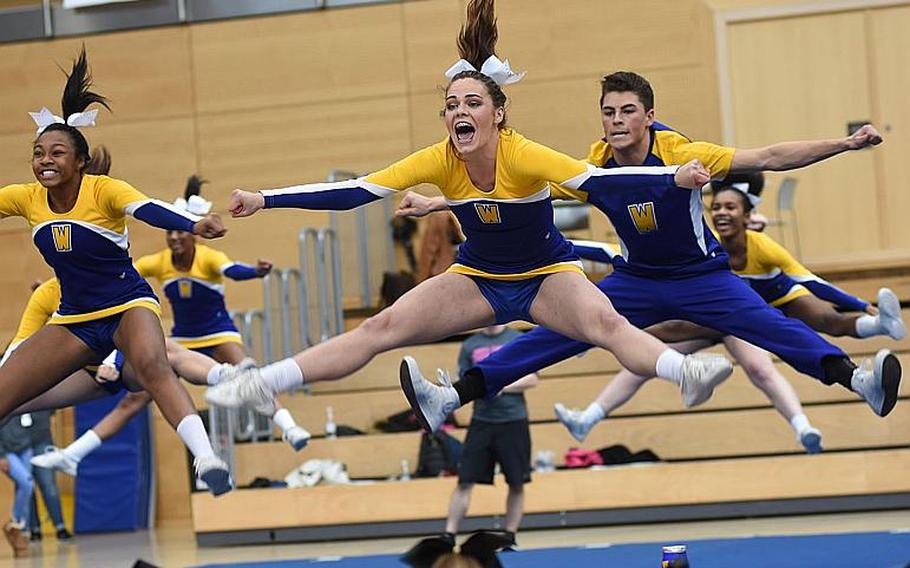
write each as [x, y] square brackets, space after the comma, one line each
[862, 550]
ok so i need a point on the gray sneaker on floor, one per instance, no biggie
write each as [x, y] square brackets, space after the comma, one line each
[431, 403]
[702, 373]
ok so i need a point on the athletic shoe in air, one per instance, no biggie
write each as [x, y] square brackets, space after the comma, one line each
[702, 372]
[245, 388]
[878, 381]
[431, 403]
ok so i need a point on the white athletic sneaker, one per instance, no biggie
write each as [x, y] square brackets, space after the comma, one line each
[56, 459]
[431, 403]
[214, 473]
[878, 381]
[247, 363]
[811, 439]
[889, 314]
[578, 422]
[297, 437]
[702, 372]
[245, 388]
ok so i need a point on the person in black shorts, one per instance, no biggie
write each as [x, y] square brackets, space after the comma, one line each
[498, 433]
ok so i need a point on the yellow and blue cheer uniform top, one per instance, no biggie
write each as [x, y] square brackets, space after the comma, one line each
[88, 246]
[662, 230]
[779, 278]
[509, 230]
[197, 296]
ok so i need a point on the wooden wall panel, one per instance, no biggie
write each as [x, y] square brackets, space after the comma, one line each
[306, 58]
[265, 148]
[814, 96]
[144, 73]
[890, 45]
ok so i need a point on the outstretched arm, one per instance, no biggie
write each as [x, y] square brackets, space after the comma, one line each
[792, 155]
[242, 271]
[595, 250]
[423, 166]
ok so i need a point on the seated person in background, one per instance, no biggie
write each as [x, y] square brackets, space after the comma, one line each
[498, 433]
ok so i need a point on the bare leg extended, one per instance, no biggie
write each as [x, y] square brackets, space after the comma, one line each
[822, 317]
[232, 353]
[140, 338]
[761, 370]
[618, 391]
[437, 308]
[570, 305]
[76, 388]
[39, 363]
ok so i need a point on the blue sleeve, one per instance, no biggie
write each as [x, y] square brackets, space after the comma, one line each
[594, 251]
[332, 196]
[159, 214]
[831, 293]
[240, 271]
[619, 179]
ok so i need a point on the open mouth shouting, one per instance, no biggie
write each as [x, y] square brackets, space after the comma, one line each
[464, 132]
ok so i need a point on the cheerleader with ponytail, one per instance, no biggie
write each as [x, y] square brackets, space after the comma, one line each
[78, 223]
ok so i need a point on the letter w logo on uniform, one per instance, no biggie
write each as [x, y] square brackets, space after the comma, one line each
[63, 237]
[643, 217]
[488, 213]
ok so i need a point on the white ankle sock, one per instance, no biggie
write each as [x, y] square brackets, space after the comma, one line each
[670, 365]
[282, 376]
[193, 434]
[800, 423]
[867, 326]
[594, 412]
[83, 446]
[283, 419]
[214, 375]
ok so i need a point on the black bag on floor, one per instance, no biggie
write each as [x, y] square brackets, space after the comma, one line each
[439, 455]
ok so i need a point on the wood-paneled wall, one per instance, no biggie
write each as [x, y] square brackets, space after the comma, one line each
[271, 101]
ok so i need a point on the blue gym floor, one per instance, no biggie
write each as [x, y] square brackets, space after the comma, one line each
[857, 550]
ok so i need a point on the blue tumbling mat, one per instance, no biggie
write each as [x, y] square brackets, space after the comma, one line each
[854, 550]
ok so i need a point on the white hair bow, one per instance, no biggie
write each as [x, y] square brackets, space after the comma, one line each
[493, 68]
[44, 118]
[196, 205]
[744, 189]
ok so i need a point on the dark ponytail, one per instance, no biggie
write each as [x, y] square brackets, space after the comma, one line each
[193, 186]
[476, 43]
[77, 96]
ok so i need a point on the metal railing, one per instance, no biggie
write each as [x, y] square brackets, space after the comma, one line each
[331, 313]
[366, 235]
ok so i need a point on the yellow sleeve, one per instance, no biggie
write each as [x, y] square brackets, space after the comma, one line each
[14, 200]
[215, 261]
[424, 166]
[42, 304]
[780, 257]
[148, 266]
[717, 159]
[534, 164]
[113, 196]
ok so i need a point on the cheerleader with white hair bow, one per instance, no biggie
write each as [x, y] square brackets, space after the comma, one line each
[78, 222]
